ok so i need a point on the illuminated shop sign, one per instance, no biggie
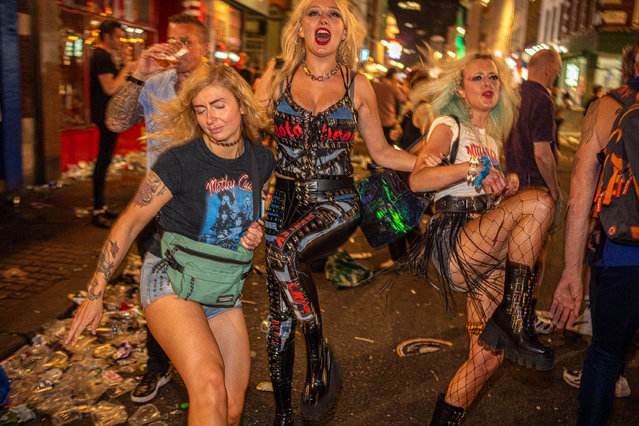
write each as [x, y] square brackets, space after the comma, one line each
[394, 50]
[572, 75]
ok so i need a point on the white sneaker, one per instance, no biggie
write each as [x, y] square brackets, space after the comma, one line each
[583, 323]
[573, 378]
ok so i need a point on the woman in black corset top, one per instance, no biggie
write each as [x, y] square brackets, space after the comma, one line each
[318, 102]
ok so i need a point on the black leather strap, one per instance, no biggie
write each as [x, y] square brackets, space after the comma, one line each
[453, 149]
[255, 178]
[478, 204]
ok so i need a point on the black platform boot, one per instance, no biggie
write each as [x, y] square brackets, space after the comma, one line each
[323, 375]
[446, 414]
[511, 327]
[282, 380]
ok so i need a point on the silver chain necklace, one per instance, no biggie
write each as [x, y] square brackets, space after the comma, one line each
[322, 77]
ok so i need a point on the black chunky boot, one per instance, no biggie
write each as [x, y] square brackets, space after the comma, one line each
[511, 327]
[446, 414]
[282, 386]
[281, 368]
[323, 375]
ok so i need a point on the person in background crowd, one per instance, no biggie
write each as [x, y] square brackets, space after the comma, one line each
[155, 81]
[485, 238]
[389, 94]
[419, 114]
[614, 295]
[318, 101]
[241, 66]
[105, 78]
[531, 150]
[214, 126]
[598, 92]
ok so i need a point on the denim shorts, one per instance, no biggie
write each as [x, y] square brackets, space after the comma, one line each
[154, 285]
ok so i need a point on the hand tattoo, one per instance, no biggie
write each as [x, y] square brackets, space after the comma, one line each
[152, 186]
[92, 295]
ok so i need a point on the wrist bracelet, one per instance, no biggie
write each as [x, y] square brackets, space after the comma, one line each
[485, 171]
[129, 77]
[473, 164]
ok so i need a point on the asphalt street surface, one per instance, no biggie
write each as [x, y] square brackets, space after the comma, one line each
[49, 252]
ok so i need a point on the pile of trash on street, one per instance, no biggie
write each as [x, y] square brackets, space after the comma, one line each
[72, 383]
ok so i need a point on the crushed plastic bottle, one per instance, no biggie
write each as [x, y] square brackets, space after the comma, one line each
[107, 413]
[17, 415]
[66, 416]
[145, 414]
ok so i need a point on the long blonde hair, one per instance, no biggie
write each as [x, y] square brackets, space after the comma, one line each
[446, 100]
[293, 49]
[176, 121]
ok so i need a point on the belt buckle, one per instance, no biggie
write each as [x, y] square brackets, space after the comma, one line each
[479, 204]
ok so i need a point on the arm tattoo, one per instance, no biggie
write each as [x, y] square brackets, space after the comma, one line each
[152, 186]
[104, 265]
[92, 294]
[113, 248]
[123, 110]
[588, 128]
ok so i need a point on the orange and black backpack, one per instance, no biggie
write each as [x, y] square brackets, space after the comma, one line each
[616, 199]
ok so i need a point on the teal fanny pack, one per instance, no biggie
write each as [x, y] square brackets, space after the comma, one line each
[202, 272]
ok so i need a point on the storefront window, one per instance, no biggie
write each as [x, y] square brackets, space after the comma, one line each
[128, 10]
[608, 73]
[78, 32]
[228, 21]
[573, 80]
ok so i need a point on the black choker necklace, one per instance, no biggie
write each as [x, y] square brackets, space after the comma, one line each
[214, 142]
[322, 77]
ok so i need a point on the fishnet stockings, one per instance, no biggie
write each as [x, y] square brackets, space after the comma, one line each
[516, 230]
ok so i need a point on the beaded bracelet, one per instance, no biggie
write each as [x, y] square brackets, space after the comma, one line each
[473, 164]
[485, 171]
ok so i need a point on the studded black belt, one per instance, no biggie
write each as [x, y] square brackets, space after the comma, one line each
[312, 191]
[478, 204]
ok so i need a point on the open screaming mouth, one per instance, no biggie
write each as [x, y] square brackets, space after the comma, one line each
[322, 36]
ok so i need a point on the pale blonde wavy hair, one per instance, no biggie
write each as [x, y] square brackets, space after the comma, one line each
[176, 122]
[446, 100]
[293, 48]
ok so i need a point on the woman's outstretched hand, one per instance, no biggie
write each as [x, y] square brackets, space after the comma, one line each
[253, 236]
[89, 312]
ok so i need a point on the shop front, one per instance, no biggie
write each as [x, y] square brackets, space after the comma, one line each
[79, 21]
[593, 59]
[241, 27]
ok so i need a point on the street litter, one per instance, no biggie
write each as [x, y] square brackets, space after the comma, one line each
[79, 383]
[145, 414]
[12, 273]
[364, 339]
[421, 346]
[362, 255]
[344, 272]
[264, 387]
